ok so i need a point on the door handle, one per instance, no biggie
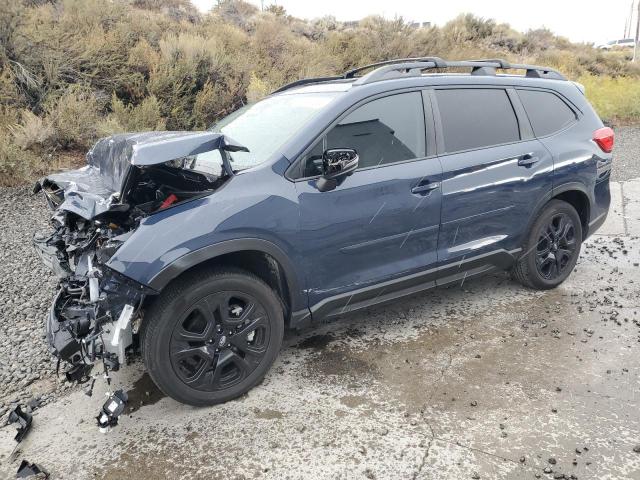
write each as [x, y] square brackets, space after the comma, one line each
[527, 159]
[425, 188]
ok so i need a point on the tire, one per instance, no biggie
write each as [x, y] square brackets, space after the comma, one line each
[212, 335]
[545, 263]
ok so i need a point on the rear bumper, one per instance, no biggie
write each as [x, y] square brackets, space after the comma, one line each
[600, 204]
[596, 223]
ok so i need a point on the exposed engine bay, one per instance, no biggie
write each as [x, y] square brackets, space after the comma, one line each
[128, 177]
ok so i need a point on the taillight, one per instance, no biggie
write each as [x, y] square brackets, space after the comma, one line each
[604, 138]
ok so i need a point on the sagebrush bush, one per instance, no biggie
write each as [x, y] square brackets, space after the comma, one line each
[257, 89]
[133, 118]
[74, 70]
[74, 118]
[17, 165]
[33, 132]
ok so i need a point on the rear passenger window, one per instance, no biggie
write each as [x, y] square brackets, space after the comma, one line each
[547, 112]
[386, 130]
[476, 118]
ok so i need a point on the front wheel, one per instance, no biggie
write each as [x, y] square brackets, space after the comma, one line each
[212, 335]
[552, 247]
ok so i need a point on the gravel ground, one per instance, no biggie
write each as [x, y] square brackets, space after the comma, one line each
[26, 368]
[626, 154]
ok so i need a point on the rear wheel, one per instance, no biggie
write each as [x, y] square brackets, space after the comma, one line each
[212, 336]
[552, 247]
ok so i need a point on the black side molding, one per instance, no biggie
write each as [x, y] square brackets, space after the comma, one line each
[417, 282]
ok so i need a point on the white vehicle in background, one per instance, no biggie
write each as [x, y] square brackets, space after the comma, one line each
[624, 43]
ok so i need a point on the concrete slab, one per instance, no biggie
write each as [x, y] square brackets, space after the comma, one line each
[631, 191]
[615, 223]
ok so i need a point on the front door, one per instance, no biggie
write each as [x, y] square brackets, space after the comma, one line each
[381, 223]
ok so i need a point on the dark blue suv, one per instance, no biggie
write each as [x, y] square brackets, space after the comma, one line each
[330, 195]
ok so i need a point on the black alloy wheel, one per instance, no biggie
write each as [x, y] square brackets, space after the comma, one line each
[212, 335]
[551, 248]
[219, 341]
[556, 246]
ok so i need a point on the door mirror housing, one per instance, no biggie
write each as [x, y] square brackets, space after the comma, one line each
[337, 164]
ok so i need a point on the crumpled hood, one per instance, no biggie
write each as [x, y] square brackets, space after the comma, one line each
[92, 190]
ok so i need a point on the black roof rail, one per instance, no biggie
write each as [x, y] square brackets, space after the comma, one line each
[437, 60]
[478, 67]
[414, 66]
[412, 69]
[503, 64]
[305, 81]
[351, 73]
[532, 71]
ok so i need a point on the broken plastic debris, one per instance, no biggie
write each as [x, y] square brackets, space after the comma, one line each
[24, 420]
[28, 470]
[79, 373]
[111, 410]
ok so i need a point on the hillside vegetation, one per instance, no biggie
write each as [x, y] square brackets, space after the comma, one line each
[74, 70]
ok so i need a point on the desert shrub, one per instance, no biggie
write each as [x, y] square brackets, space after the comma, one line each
[196, 80]
[468, 27]
[257, 89]
[74, 118]
[132, 118]
[176, 9]
[237, 12]
[33, 132]
[17, 165]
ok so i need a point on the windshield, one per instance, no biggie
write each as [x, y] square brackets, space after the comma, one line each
[265, 126]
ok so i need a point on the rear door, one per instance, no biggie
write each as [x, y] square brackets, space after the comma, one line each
[494, 175]
[380, 223]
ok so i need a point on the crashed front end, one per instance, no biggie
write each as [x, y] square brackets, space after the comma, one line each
[92, 313]
[128, 177]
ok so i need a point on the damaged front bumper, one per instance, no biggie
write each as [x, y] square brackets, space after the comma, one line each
[97, 209]
[83, 326]
[93, 313]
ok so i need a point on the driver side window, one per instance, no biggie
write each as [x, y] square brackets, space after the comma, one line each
[383, 131]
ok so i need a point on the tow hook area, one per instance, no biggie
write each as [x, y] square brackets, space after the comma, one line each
[91, 319]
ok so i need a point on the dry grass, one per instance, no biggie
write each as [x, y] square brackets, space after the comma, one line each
[615, 99]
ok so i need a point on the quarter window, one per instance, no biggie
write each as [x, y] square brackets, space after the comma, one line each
[386, 130]
[547, 112]
[476, 118]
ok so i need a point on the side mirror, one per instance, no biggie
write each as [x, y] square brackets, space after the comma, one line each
[337, 163]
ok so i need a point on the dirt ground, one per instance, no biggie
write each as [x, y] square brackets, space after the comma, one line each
[484, 380]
